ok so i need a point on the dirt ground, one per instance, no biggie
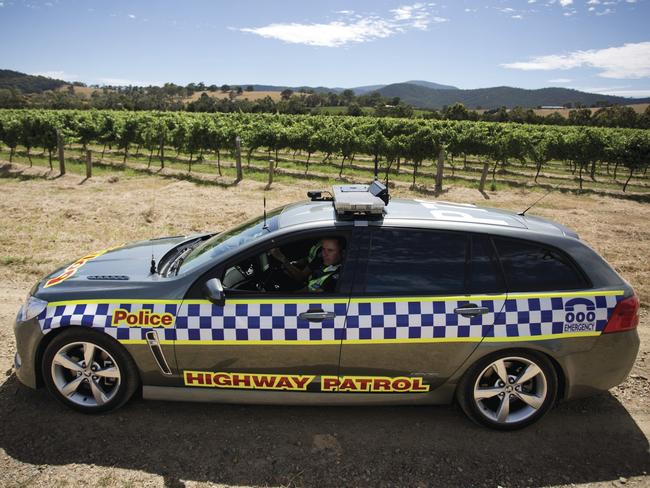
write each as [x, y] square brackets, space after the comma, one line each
[596, 442]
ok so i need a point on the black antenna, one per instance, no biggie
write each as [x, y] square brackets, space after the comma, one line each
[265, 227]
[536, 202]
[152, 268]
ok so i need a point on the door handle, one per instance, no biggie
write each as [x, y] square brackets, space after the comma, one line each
[471, 310]
[316, 315]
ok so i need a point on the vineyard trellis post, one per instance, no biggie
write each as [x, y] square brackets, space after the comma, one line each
[89, 164]
[439, 170]
[238, 159]
[59, 144]
[486, 168]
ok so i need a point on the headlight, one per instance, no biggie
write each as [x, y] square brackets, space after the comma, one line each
[32, 308]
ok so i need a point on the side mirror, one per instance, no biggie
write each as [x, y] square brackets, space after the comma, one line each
[213, 290]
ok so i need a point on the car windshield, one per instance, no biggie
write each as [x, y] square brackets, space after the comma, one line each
[230, 239]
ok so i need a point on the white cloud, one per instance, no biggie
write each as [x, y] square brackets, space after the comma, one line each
[59, 75]
[131, 16]
[518, 17]
[607, 11]
[560, 80]
[566, 3]
[341, 32]
[593, 2]
[627, 61]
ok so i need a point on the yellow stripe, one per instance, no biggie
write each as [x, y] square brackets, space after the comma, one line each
[545, 337]
[317, 299]
[109, 301]
[367, 341]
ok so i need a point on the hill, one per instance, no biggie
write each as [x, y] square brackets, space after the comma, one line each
[28, 83]
[423, 97]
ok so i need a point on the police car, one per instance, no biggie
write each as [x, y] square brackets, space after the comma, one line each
[346, 298]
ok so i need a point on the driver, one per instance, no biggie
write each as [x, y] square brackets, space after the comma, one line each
[320, 269]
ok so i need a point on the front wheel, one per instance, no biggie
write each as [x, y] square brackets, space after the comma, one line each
[508, 390]
[88, 371]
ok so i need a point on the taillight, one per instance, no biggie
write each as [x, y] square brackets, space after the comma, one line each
[625, 316]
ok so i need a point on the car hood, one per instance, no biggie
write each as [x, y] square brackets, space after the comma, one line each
[121, 266]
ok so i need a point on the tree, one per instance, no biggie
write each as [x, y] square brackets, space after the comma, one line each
[354, 110]
[286, 94]
[225, 88]
[347, 96]
[250, 88]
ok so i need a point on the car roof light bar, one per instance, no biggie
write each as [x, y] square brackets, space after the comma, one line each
[360, 201]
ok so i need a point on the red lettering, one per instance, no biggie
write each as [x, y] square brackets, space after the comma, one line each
[401, 384]
[221, 379]
[329, 383]
[167, 319]
[241, 379]
[302, 381]
[364, 383]
[418, 386]
[379, 384]
[131, 319]
[347, 384]
[284, 383]
[194, 378]
[263, 381]
[154, 320]
[119, 315]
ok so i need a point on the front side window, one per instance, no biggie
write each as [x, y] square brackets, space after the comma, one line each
[416, 262]
[313, 265]
[531, 267]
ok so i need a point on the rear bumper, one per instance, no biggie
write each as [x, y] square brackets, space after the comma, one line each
[604, 366]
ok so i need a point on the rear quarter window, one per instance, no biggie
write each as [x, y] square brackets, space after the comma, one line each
[529, 266]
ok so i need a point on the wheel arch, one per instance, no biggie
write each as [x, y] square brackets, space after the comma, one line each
[54, 333]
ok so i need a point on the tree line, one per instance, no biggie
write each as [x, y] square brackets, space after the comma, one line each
[388, 142]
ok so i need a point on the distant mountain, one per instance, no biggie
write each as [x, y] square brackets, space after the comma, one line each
[423, 97]
[429, 84]
[361, 90]
[28, 83]
[420, 94]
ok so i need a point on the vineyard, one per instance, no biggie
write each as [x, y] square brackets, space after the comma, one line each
[329, 148]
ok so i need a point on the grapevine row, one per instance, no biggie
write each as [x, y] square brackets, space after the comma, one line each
[384, 140]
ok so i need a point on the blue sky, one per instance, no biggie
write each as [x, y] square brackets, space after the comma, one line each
[600, 46]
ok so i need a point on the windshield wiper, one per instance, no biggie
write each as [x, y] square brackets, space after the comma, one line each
[176, 264]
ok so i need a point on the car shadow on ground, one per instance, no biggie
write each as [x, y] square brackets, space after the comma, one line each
[581, 441]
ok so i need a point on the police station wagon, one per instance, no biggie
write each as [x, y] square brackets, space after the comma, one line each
[344, 299]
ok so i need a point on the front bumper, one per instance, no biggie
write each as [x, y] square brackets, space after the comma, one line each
[28, 338]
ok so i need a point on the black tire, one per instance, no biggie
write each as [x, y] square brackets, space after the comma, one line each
[108, 357]
[482, 379]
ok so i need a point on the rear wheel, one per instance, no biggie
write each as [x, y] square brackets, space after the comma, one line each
[88, 371]
[509, 390]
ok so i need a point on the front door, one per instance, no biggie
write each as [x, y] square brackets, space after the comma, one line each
[271, 333]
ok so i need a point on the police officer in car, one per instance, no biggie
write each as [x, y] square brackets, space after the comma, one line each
[320, 269]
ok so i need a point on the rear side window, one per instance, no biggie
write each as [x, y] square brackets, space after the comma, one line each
[408, 262]
[531, 267]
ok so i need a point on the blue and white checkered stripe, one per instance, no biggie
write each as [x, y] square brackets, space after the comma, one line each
[258, 322]
[371, 320]
[100, 316]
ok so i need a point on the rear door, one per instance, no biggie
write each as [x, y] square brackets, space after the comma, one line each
[421, 303]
